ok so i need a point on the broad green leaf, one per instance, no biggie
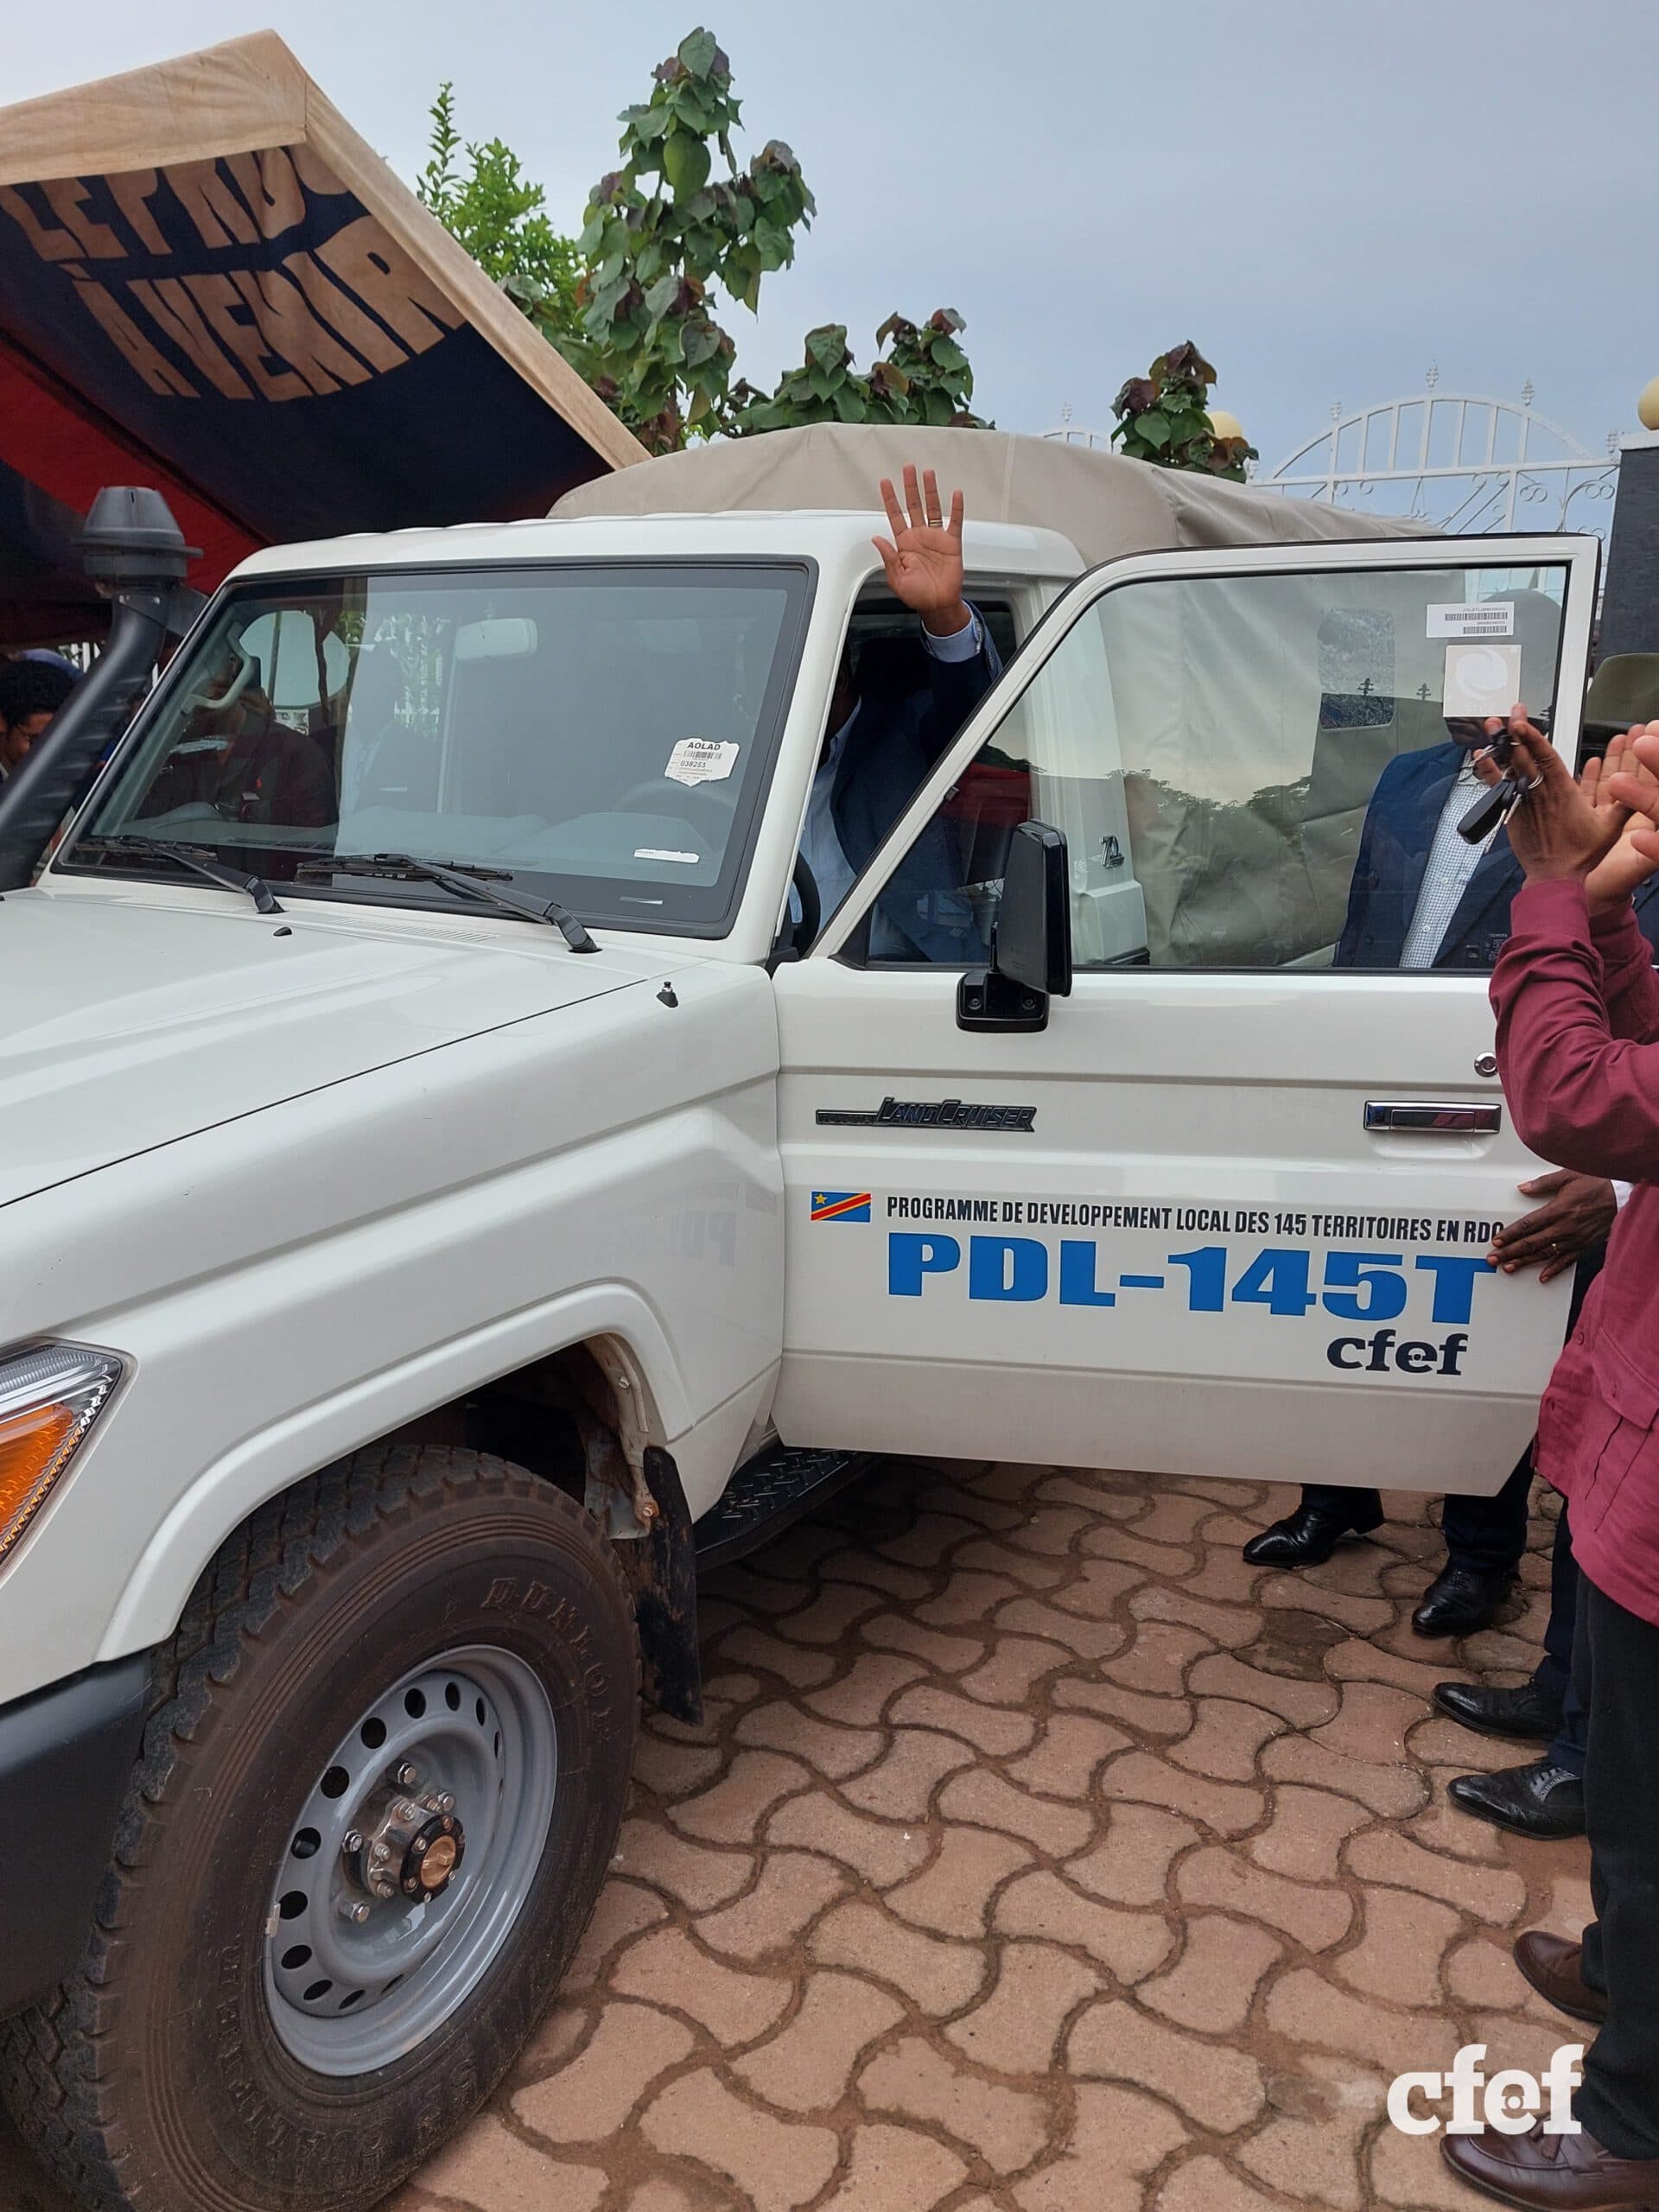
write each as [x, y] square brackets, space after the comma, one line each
[701, 343]
[660, 297]
[685, 164]
[827, 345]
[697, 51]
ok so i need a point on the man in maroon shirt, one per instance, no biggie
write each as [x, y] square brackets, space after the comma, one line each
[1577, 1000]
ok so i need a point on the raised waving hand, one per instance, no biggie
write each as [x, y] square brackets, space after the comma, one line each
[923, 557]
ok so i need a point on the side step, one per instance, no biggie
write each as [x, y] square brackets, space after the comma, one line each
[777, 1486]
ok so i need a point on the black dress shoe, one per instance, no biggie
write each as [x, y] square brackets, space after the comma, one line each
[1555, 1969]
[1554, 2173]
[1461, 1601]
[1527, 1713]
[1307, 1537]
[1541, 1801]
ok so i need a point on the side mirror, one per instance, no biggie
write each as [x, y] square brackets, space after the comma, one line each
[1031, 946]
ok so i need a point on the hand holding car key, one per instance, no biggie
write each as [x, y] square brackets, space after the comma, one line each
[1597, 829]
[1509, 782]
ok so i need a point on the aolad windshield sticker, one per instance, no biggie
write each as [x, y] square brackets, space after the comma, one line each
[701, 760]
[1359, 1294]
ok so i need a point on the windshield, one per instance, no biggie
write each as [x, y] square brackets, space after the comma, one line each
[601, 733]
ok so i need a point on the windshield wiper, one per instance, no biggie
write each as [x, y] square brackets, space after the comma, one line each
[190, 857]
[469, 881]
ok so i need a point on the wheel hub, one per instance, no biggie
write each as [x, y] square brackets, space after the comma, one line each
[405, 1845]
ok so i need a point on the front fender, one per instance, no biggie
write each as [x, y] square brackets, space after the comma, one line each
[241, 1479]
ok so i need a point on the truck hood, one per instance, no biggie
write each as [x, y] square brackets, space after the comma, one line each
[127, 1023]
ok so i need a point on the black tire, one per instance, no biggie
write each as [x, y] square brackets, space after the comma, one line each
[154, 2080]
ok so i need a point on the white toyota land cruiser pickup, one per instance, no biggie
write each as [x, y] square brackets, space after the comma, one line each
[453, 1180]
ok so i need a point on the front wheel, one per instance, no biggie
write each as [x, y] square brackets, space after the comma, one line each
[380, 1786]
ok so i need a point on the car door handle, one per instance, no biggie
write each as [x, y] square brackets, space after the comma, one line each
[1425, 1117]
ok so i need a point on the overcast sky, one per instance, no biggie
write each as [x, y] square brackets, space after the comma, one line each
[1327, 195]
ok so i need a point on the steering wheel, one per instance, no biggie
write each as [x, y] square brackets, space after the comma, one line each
[804, 932]
[709, 808]
[196, 702]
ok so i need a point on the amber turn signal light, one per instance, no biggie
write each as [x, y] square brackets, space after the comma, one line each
[50, 1395]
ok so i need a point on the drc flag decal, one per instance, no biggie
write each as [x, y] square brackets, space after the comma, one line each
[841, 1205]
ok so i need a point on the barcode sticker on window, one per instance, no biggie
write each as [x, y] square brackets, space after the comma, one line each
[1493, 618]
[700, 761]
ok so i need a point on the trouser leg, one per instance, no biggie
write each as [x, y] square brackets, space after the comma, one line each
[1583, 1675]
[1619, 1682]
[1553, 1672]
[1361, 1509]
[1488, 1534]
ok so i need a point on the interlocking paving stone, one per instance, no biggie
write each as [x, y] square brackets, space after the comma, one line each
[1036, 1855]
[807, 2065]
[917, 2081]
[777, 2164]
[1117, 2137]
[1016, 2028]
[791, 1888]
[1132, 1944]
[902, 1786]
[588, 2099]
[1115, 2041]
[1210, 1985]
[733, 2005]
[936, 1973]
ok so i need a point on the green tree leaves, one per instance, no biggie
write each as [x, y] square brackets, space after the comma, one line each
[1163, 416]
[628, 302]
[482, 198]
[923, 378]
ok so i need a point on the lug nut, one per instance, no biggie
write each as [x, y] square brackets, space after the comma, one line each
[352, 1842]
[354, 1910]
[446, 1802]
[406, 1775]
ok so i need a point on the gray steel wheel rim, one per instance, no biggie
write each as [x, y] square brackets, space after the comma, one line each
[485, 1733]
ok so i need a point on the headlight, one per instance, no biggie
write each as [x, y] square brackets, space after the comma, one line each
[50, 1395]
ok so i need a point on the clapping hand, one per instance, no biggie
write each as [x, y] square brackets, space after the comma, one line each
[923, 558]
[1630, 779]
[1621, 782]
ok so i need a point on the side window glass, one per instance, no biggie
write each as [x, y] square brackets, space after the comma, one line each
[1256, 771]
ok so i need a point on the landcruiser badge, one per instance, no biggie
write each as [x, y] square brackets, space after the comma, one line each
[918, 1114]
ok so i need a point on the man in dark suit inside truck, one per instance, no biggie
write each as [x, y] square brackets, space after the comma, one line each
[879, 749]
